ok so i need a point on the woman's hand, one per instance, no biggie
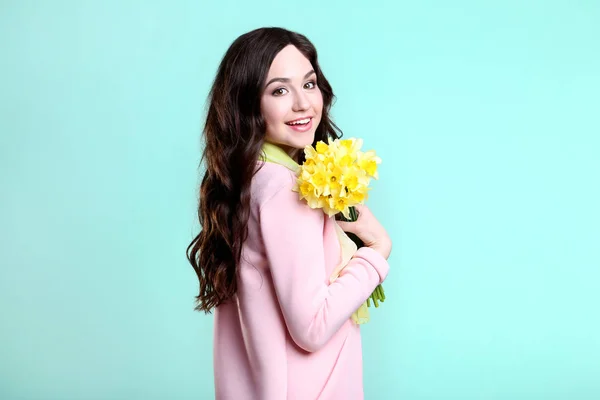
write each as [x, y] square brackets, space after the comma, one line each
[369, 230]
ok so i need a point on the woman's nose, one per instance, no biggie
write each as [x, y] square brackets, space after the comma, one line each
[301, 101]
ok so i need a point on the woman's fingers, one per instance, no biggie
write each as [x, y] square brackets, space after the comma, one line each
[361, 209]
[348, 226]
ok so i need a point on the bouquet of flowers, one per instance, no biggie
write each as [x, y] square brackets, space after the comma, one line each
[335, 177]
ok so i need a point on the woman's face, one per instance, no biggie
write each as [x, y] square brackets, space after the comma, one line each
[291, 95]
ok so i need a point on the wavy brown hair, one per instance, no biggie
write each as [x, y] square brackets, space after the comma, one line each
[233, 136]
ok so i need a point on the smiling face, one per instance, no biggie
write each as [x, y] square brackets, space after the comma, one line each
[291, 103]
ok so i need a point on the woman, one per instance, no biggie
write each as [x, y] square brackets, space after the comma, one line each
[263, 257]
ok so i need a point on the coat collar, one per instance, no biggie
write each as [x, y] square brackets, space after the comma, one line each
[275, 154]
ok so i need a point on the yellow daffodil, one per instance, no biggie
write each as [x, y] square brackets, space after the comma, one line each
[368, 162]
[336, 176]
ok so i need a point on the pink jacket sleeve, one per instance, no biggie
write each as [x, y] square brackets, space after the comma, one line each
[313, 309]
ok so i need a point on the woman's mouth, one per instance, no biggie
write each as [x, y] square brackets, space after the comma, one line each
[301, 125]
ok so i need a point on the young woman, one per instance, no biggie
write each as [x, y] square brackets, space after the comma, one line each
[263, 257]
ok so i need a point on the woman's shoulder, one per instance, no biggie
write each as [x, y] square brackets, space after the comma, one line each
[269, 179]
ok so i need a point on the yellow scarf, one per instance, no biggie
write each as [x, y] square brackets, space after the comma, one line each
[275, 154]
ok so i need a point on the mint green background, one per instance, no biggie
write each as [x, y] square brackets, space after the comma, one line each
[486, 116]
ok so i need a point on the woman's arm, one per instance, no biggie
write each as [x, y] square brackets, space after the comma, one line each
[293, 238]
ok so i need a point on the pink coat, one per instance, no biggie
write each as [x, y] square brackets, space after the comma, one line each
[287, 333]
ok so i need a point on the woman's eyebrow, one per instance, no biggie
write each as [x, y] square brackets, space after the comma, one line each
[285, 80]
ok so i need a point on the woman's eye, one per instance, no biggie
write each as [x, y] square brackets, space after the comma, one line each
[282, 91]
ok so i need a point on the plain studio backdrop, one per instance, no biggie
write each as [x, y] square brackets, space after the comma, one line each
[486, 116]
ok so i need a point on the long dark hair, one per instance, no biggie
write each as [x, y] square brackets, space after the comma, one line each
[233, 136]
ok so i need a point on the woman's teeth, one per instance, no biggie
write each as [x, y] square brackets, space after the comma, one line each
[301, 122]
